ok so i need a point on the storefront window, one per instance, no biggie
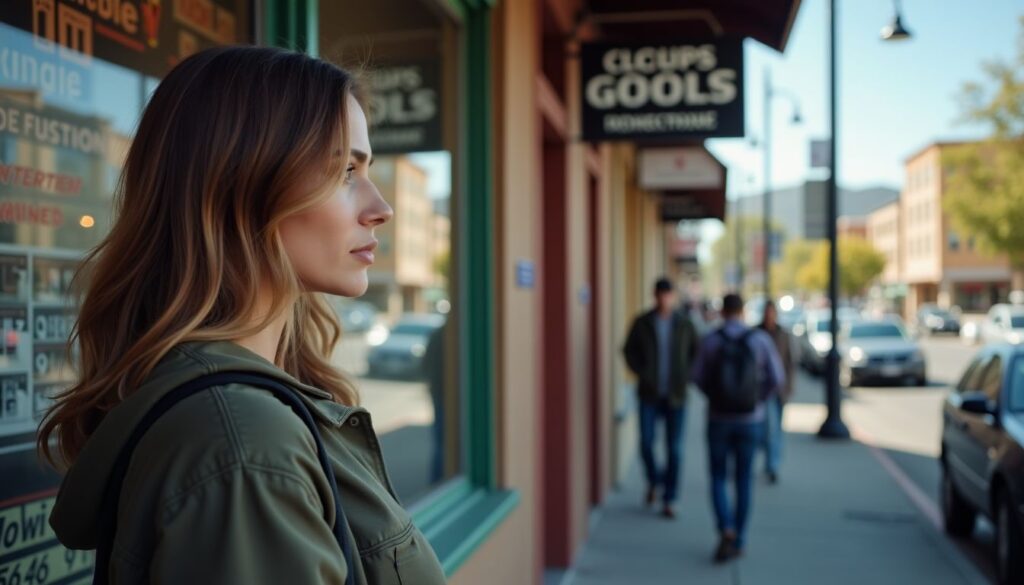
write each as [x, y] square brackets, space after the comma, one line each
[74, 77]
[400, 338]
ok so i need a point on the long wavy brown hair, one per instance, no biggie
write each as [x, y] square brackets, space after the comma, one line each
[233, 141]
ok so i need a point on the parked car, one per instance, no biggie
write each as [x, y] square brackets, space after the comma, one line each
[935, 319]
[880, 350]
[982, 453]
[356, 316]
[400, 354]
[1003, 323]
[816, 337]
[790, 319]
[970, 333]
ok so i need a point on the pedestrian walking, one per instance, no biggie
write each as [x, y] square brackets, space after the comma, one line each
[738, 368]
[206, 388]
[660, 348]
[773, 435]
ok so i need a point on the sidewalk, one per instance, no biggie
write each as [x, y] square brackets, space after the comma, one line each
[836, 517]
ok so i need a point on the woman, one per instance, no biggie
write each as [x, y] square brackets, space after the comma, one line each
[245, 195]
[773, 434]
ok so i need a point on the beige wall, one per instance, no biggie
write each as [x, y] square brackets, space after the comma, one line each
[581, 327]
[921, 213]
[512, 554]
[883, 231]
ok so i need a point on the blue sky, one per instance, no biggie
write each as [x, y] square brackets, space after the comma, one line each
[894, 97]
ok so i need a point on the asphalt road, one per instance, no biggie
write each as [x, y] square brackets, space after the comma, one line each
[906, 424]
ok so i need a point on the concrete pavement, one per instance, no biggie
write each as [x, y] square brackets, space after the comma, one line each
[837, 517]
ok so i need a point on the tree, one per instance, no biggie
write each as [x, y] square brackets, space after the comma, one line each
[985, 181]
[795, 255]
[859, 264]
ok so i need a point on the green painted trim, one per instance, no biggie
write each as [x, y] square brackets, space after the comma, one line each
[428, 510]
[464, 529]
[292, 24]
[478, 249]
[458, 7]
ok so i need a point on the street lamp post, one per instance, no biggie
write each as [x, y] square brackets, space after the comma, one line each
[770, 94]
[833, 427]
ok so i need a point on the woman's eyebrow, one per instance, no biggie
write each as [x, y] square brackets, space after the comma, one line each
[362, 156]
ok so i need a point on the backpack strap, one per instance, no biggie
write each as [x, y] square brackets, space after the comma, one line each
[284, 393]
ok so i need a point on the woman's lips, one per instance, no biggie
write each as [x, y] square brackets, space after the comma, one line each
[365, 254]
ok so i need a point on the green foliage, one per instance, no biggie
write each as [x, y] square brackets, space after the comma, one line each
[985, 181]
[796, 254]
[859, 264]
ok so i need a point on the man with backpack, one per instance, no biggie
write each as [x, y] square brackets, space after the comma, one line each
[738, 368]
[661, 345]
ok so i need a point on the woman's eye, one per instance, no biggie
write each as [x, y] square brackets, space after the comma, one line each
[349, 172]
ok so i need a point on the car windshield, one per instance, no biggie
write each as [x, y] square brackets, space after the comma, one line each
[940, 313]
[875, 330]
[1017, 321]
[421, 329]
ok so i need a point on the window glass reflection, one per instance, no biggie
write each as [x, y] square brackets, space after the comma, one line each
[400, 338]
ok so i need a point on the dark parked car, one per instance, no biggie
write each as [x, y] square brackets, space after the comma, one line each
[983, 456]
[934, 319]
[401, 353]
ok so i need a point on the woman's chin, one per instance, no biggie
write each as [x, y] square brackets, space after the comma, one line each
[355, 287]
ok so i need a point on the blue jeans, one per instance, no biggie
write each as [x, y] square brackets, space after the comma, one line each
[738, 440]
[773, 435]
[675, 420]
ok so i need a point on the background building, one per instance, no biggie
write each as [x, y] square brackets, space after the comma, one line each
[884, 233]
[939, 265]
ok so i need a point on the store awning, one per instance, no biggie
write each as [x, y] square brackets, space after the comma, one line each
[689, 179]
[768, 21]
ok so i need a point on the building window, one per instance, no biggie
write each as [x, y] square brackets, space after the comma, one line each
[94, 77]
[401, 341]
[954, 242]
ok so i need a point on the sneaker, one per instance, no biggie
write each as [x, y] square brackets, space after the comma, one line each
[668, 512]
[773, 478]
[726, 548]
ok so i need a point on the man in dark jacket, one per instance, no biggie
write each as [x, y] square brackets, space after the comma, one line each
[661, 345]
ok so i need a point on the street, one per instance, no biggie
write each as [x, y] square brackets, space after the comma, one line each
[904, 425]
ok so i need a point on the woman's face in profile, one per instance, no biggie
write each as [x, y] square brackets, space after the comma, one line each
[332, 245]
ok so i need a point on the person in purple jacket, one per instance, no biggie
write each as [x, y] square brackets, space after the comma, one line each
[738, 368]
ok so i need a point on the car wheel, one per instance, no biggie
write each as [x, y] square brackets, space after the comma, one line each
[1009, 563]
[958, 516]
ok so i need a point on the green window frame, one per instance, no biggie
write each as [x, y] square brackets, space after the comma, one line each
[459, 516]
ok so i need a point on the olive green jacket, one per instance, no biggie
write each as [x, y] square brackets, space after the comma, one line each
[226, 487]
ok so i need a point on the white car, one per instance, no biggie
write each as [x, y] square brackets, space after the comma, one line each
[816, 339]
[1004, 323]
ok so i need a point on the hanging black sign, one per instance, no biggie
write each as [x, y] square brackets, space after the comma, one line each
[637, 91]
[405, 108]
